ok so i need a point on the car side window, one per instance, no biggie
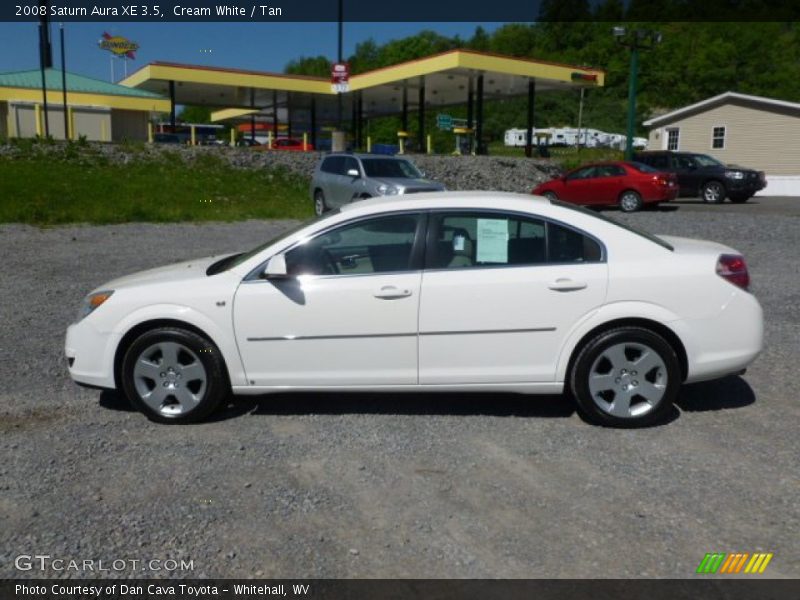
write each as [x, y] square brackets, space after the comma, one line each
[491, 239]
[378, 245]
[349, 163]
[565, 245]
[585, 173]
[332, 164]
[684, 162]
[485, 240]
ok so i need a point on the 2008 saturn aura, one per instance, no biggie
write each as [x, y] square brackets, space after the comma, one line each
[472, 291]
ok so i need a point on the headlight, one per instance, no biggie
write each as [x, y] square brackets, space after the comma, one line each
[734, 174]
[91, 302]
[387, 190]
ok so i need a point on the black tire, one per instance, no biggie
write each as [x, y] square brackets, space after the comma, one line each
[630, 201]
[739, 199]
[592, 361]
[192, 348]
[550, 195]
[320, 206]
[713, 192]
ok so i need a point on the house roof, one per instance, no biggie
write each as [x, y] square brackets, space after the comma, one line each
[75, 83]
[721, 99]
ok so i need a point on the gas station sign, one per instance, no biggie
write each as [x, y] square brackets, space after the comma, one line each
[340, 77]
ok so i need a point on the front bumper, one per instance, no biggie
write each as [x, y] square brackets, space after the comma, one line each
[90, 354]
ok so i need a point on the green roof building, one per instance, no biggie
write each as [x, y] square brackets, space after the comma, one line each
[97, 110]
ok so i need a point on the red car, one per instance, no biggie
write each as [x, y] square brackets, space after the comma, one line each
[629, 185]
[291, 144]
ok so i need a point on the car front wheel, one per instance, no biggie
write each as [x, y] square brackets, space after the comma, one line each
[319, 203]
[550, 196]
[626, 377]
[713, 192]
[174, 375]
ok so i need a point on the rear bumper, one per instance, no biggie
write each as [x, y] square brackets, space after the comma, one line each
[725, 344]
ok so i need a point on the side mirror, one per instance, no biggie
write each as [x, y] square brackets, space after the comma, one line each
[353, 173]
[276, 268]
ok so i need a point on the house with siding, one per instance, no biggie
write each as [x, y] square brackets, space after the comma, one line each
[752, 131]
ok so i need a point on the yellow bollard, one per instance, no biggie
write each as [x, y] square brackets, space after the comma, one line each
[149, 132]
[233, 137]
[429, 145]
[194, 136]
[103, 130]
[269, 139]
[71, 114]
[38, 116]
[305, 142]
[402, 146]
[369, 145]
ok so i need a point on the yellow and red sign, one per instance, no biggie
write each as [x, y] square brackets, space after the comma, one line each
[118, 45]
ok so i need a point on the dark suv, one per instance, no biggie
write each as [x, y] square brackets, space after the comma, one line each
[704, 176]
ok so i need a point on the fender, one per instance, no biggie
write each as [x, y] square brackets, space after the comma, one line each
[223, 339]
[606, 314]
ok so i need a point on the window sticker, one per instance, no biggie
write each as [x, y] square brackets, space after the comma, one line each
[492, 241]
[458, 243]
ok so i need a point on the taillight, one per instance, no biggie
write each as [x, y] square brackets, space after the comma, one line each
[661, 180]
[733, 268]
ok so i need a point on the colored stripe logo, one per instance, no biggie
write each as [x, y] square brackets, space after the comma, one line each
[734, 563]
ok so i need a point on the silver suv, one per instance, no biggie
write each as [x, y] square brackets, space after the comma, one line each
[342, 177]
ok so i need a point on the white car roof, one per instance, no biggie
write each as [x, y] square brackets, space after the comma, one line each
[461, 199]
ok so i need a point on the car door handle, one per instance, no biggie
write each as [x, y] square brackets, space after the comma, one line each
[389, 292]
[564, 284]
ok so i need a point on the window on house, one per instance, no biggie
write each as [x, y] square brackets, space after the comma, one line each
[673, 136]
[718, 137]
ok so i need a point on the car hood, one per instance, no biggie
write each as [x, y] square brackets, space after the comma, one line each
[408, 183]
[182, 271]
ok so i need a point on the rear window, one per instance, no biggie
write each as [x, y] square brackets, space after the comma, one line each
[643, 168]
[640, 232]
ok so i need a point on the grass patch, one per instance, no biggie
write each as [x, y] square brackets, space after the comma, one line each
[566, 157]
[76, 188]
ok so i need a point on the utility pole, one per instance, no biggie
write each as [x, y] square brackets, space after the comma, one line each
[638, 39]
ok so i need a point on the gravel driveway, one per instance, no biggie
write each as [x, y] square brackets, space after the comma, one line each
[424, 486]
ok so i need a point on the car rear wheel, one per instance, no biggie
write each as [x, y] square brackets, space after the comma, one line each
[174, 375]
[319, 203]
[713, 192]
[550, 196]
[626, 377]
[630, 201]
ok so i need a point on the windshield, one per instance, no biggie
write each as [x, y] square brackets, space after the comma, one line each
[645, 234]
[704, 160]
[237, 259]
[395, 168]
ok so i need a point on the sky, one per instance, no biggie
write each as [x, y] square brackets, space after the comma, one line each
[258, 46]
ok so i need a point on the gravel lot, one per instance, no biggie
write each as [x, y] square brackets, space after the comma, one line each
[367, 485]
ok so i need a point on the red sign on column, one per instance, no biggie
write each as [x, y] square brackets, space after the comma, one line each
[340, 77]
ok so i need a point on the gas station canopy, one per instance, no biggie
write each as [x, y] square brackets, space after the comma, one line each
[446, 79]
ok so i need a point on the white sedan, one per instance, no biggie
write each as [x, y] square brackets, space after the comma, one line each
[470, 291]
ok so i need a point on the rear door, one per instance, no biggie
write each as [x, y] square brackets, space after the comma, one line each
[499, 294]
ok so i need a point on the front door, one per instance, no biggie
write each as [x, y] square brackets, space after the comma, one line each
[500, 293]
[347, 315]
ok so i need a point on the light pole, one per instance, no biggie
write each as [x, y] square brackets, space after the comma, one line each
[635, 40]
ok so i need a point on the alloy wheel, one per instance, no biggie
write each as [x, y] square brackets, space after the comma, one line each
[170, 378]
